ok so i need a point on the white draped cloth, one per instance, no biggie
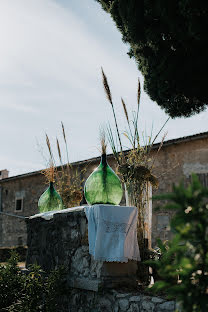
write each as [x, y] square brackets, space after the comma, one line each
[112, 233]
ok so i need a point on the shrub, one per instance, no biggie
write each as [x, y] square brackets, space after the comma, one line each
[29, 292]
[183, 265]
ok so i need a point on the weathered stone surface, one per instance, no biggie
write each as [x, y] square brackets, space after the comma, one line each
[135, 298]
[157, 300]
[84, 283]
[134, 308]
[166, 306]
[105, 304]
[122, 295]
[123, 304]
[59, 241]
[109, 302]
[147, 306]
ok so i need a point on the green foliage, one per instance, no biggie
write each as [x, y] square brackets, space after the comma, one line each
[168, 40]
[32, 292]
[11, 282]
[183, 265]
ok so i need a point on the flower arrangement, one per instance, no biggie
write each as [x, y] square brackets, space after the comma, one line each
[134, 165]
[68, 180]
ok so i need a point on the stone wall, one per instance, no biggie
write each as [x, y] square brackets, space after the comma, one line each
[61, 239]
[114, 301]
[176, 160]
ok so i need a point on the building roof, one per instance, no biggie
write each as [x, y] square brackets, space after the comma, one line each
[198, 136]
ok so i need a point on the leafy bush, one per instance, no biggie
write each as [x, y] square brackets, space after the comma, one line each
[183, 265]
[29, 292]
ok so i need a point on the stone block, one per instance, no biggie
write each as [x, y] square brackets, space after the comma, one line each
[85, 283]
[123, 305]
[105, 304]
[166, 306]
[135, 299]
[134, 308]
[157, 300]
[147, 306]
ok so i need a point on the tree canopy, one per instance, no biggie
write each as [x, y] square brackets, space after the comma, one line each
[169, 41]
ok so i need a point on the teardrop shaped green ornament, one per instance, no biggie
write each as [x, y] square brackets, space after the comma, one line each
[50, 200]
[103, 186]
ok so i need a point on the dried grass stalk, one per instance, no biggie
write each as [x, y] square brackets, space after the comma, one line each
[138, 93]
[68, 181]
[49, 146]
[106, 87]
[63, 131]
[103, 141]
[159, 148]
[108, 93]
[59, 150]
[125, 110]
[135, 166]
[49, 173]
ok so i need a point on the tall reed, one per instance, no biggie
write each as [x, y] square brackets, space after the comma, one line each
[136, 164]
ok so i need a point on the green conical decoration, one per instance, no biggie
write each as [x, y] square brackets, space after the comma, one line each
[103, 186]
[50, 200]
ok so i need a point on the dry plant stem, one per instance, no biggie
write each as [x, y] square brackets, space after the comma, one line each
[68, 181]
[52, 160]
[59, 151]
[49, 173]
[164, 173]
[64, 135]
[49, 146]
[135, 167]
[137, 115]
[125, 111]
[109, 97]
[112, 143]
[159, 131]
[127, 117]
[149, 147]
[66, 147]
[161, 144]
[103, 141]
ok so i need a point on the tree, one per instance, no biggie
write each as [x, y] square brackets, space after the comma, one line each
[169, 41]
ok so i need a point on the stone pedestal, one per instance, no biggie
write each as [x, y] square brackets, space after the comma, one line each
[62, 239]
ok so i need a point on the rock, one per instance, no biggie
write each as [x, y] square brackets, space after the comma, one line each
[123, 304]
[166, 306]
[135, 298]
[86, 272]
[157, 300]
[85, 262]
[74, 235]
[80, 261]
[105, 305]
[96, 268]
[134, 308]
[119, 295]
[148, 306]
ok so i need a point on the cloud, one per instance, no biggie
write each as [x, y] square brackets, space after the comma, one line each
[50, 58]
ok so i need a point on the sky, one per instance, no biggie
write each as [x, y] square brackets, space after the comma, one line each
[50, 71]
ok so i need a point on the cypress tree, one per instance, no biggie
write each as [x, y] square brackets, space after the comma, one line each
[168, 40]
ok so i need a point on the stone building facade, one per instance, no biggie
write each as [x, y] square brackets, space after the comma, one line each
[177, 159]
